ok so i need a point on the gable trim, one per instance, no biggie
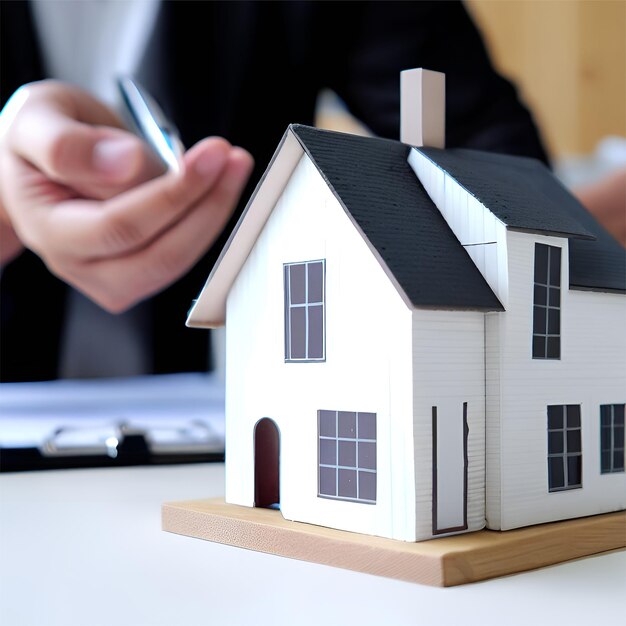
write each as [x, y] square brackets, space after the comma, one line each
[209, 309]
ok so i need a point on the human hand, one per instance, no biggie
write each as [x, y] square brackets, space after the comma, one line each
[82, 194]
[606, 201]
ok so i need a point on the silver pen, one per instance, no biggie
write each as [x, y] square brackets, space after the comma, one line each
[150, 123]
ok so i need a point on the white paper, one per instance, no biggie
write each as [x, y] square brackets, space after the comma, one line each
[30, 413]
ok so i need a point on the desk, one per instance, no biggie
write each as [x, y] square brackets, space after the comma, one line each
[85, 547]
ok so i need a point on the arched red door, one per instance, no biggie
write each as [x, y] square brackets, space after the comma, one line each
[266, 463]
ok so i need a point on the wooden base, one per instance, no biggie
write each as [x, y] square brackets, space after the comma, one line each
[441, 562]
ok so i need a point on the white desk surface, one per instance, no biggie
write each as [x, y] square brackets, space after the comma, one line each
[85, 547]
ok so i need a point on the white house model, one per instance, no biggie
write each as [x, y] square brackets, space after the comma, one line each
[419, 341]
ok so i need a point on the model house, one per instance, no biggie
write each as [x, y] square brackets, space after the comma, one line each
[419, 341]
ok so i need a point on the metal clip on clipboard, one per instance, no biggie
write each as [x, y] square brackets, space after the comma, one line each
[175, 418]
[121, 444]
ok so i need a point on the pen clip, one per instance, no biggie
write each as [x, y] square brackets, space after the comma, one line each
[150, 123]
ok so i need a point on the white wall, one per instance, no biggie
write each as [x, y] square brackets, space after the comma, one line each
[493, 430]
[368, 366]
[591, 371]
[480, 232]
[448, 370]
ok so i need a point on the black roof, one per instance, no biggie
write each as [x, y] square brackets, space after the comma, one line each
[373, 181]
[598, 265]
[519, 191]
[525, 195]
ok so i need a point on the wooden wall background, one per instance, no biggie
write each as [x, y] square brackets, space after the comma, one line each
[569, 59]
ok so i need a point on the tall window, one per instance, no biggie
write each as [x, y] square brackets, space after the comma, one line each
[305, 332]
[547, 303]
[565, 459]
[347, 455]
[611, 438]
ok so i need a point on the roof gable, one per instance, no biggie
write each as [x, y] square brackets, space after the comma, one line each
[521, 192]
[387, 204]
[378, 189]
[526, 196]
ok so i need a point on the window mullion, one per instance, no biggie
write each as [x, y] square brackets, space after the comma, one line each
[306, 310]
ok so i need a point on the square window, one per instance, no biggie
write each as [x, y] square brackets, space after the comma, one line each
[555, 417]
[555, 297]
[328, 423]
[554, 321]
[556, 475]
[605, 461]
[555, 442]
[347, 483]
[351, 455]
[573, 416]
[605, 437]
[328, 481]
[328, 451]
[573, 440]
[618, 414]
[555, 265]
[541, 264]
[297, 285]
[298, 333]
[316, 332]
[574, 471]
[539, 346]
[347, 453]
[367, 455]
[618, 460]
[553, 348]
[316, 282]
[347, 424]
[367, 426]
[541, 295]
[367, 486]
[539, 319]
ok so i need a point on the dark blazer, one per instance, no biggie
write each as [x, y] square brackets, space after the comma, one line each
[244, 70]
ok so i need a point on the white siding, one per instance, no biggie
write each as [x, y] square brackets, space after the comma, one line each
[591, 371]
[448, 370]
[368, 366]
[493, 367]
[481, 233]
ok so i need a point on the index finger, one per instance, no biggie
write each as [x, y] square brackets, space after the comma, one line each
[76, 140]
[131, 220]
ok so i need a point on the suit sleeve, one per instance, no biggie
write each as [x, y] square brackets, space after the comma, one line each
[379, 40]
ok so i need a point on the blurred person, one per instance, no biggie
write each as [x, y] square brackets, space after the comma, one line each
[102, 253]
[606, 199]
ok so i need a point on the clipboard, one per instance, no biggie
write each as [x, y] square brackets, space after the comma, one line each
[176, 418]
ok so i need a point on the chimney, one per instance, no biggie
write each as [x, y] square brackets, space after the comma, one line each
[423, 108]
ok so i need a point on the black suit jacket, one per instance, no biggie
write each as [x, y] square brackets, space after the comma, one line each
[245, 70]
